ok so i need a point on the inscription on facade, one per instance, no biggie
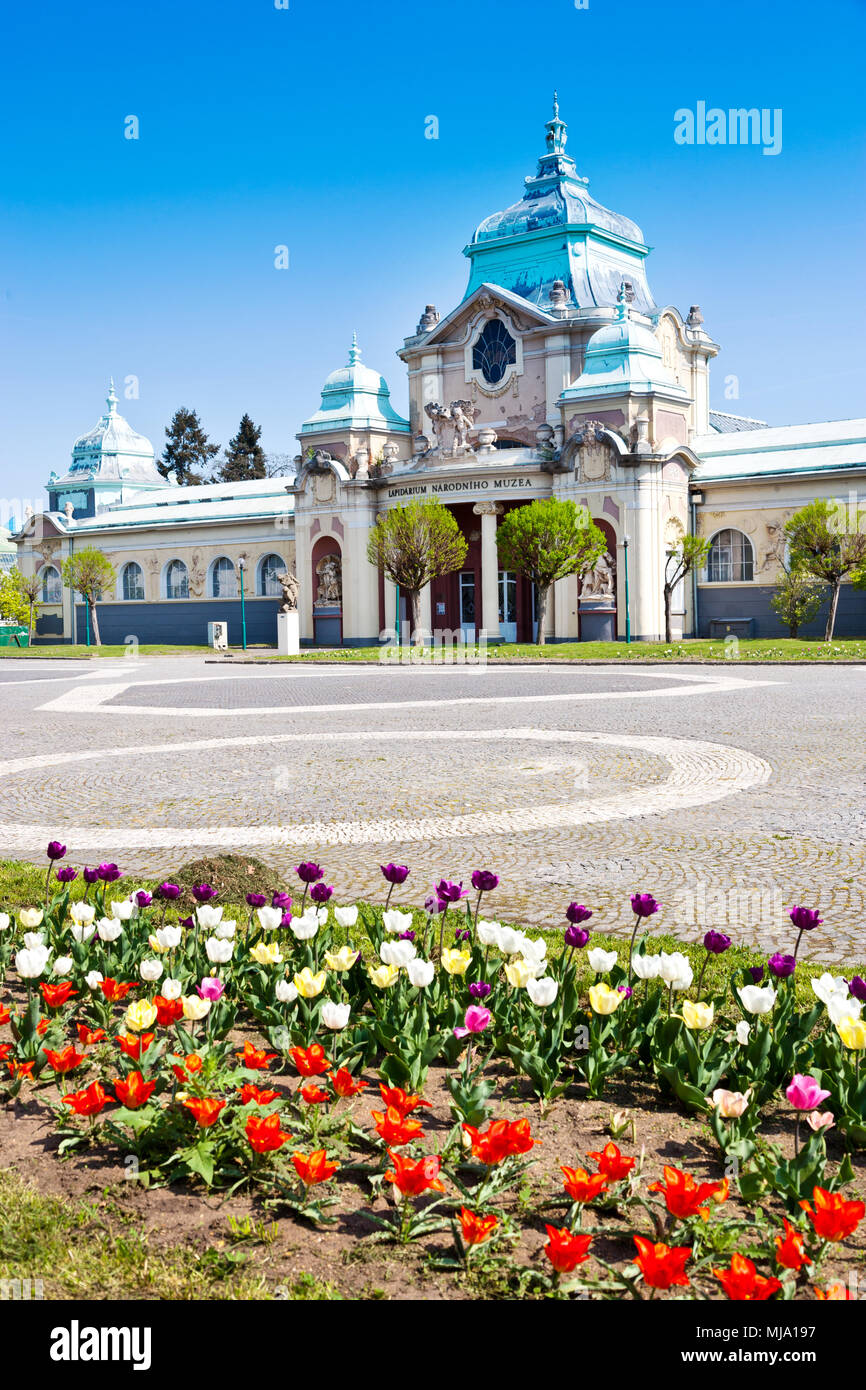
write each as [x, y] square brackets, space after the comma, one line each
[463, 485]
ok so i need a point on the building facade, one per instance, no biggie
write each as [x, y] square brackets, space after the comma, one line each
[557, 375]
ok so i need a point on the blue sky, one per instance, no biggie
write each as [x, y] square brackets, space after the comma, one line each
[305, 127]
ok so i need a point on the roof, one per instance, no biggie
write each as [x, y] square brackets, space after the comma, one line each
[111, 452]
[771, 449]
[355, 397]
[725, 423]
[623, 356]
[211, 502]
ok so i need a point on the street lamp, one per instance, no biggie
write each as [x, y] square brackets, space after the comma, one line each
[625, 541]
[243, 609]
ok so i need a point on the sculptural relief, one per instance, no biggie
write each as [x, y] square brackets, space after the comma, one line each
[599, 582]
[288, 582]
[451, 423]
[329, 574]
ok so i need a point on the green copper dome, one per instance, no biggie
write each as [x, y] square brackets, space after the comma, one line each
[355, 397]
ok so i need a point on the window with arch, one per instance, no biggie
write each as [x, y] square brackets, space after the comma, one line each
[223, 579]
[132, 582]
[52, 589]
[269, 584]
[731, 558]
[177, 580]
[494, 352]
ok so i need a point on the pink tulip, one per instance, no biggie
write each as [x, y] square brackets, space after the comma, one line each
[476, 1020]
[804, 1093]
[817, 1121]
[211, 988]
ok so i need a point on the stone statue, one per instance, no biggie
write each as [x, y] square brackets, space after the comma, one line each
[459, 416]
[329, 572]
[288, 582]
[599, 582]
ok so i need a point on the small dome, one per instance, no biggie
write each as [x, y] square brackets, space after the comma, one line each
[623, 356]
[355, 397]
[113, 450]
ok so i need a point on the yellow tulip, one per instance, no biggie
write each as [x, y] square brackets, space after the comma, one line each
[852, 1031]
[309, 985]
[194, 1008]
[603, 999]
[155, 946]
[267, 953]
[384, 975]
[518, 973]
[343, 959]
[697, 1016]
[30, 916]
[456, 962]
[140, 1015]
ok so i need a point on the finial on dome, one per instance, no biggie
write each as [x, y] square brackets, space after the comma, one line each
[557, 130]
[555, 104]
[111, 398]
[354, 351]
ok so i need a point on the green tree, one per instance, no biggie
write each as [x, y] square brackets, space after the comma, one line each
[89, 573]
[415, 544]
[686, 554]
[244, 456]
[14, 605]
[798, 597]
[188, 452]
[825, 542]
[30, 586]
[547, 540]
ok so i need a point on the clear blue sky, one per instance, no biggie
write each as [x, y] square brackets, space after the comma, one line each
[305, 126]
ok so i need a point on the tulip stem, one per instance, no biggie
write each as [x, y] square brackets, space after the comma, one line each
[701, 975]
[631, 946]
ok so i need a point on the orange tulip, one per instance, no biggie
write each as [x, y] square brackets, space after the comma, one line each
[89, 1037]
[168, 1011]
[56, 996]
[134, 1091]
[62, 1062]
[132, 1045]
[662, 1266]
[252, 1093]
[395, 1128]
[684, 1197]
[254, 1058]
[832, 1216]
[88, 1102]
[114, 991]
[264, 1133]
[564, 1250]
[476, 1229]
[206, 1110]
[502, 1139]
[314, 1167]
[18, 1070]
[414, 1178]
[345, 1084]
[789, 1248]
[314, 1095]
[5, 1015]
[310, 1061]
[834, 1293]
[612, 1163]
[742, 1282]
[581, 1186]
[398, 1099]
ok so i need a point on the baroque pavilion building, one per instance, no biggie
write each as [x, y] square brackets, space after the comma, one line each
[558, 374]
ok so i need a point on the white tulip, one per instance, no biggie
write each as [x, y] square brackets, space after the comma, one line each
[397, 952]
[208, 917]
[346, 916]
[269, 917]
[108, 930]
[82, 913]
[646, 967]
[32, 939]
[218, 952]
[490, 934]
[94, 979]
[168, 937]
[542, 992]
[510, 941]
[756, 1000]
[828, 985]
[150, 970]
[841, 1006]
[31, 962]
[226, 931]
[600, 960]
[420, 972]
[321, 914]
[335, 1016]
[286, 992]
[744, 1030]
[62, 965]
[171, 989]
[5, 921]
[395, 921]
[305, 928]
[82, 932]
[195, 1008]
[675, 970]
[125, 910]
[30, 916]
[534, 950]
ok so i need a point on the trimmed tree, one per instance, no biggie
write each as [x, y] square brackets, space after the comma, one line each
[188, 452]
[547, 540]
[415, 544]
[684, 555]
[244, 456]
[14, 605]
[797, 598]
[89, 573]
[821, 543]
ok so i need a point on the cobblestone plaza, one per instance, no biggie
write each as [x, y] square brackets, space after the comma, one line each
[730, 793]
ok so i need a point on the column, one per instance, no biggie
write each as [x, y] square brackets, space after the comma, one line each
[488, 511]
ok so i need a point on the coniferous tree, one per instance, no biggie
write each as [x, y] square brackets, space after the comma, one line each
[244, 456]
[188, 452]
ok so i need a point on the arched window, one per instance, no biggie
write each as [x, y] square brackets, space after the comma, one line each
[494, 351]
[52, 589]
[731, 558]
[133, 582]
[223, 579]
[177, 580]
[269, 568]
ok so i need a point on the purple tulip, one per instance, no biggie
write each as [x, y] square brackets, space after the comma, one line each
[406, 935]
[186, 922]
[67, 874]
[435, 904]
[309, 873]
[717, 942]
[211, 988]
[479, 990]
[475, 1020]
[90, 875]
[626, 990]
[781, 966]
[484, 880]
[203, 892]
[462, 934]
[109, 873]
[394, 873]
[577, 913]
[55, 850]
[805, 918]
[283, 900]
[286, 919]
[857, 987]
[169, 892]
[451, 892]
[143, 899]
[256, 900]
[320, 892]
[576, 937]
[757, 973]
[644, 904]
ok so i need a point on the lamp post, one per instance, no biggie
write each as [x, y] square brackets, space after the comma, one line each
[87, 619]
[243, 608]
[625, 541]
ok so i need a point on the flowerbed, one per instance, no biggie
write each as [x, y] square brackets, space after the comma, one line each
[284, 1054]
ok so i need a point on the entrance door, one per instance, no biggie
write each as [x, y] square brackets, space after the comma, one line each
[467, 605]
[507, 606]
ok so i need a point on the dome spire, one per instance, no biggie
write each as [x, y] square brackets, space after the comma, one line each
[111, 398]
[354, 351]
[557, 130]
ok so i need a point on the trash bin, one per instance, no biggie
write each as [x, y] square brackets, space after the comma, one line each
[12, 635]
